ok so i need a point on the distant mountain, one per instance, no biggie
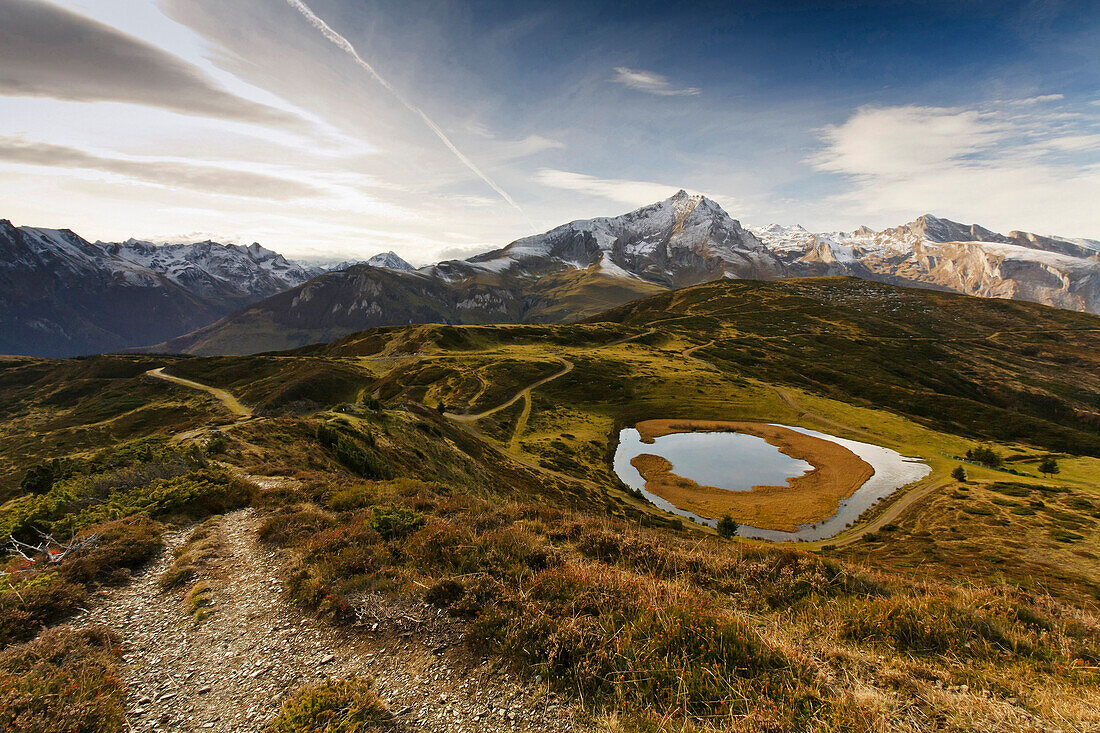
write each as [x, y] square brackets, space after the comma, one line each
[67, 296]
[583, 267]
[680, 241]
[946, 255]
[572, 271]
[388, 260]
[61, 295]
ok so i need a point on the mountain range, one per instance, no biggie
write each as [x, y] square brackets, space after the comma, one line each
[584, 267]
[61, 295]
[65, 296]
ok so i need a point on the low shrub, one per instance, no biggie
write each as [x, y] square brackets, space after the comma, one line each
[395, 522]
[27, 607]
[352, 497]
[124, 544]
[81, 501]
[343, 706]
[347, 450]
[41, 592]
[65, 680]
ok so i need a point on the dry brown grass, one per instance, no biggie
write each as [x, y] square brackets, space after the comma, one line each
[814, 496]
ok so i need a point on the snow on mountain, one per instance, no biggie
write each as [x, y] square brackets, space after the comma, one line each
[210, 268]
[682, 240]
[61, 295]
[940, 253]
[391, 261]
[388, 260]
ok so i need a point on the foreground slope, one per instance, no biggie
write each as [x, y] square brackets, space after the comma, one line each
[441, 498]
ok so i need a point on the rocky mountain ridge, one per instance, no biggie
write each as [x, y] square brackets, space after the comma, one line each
[232, 299]
[62, 295]
[580, 268]
[946, 255]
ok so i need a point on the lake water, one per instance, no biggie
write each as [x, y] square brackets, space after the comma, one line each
[732, 461]
[737, 462]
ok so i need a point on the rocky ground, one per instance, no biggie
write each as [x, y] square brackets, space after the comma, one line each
[232, 670]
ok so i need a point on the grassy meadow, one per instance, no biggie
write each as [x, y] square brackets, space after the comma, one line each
[974, 608]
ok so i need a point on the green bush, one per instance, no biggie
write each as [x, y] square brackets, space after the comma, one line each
[727, 527]
[363, 461]
[39, 478]
[395, 522]
[65, 680]
[344, 706]
[84, 500]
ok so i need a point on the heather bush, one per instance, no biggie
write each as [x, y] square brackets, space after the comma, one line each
[65, 680]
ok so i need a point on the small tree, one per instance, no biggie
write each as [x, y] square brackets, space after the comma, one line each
[985, 456]
[39, 478]
[727, 527]
[1048, 466]
[959, 474]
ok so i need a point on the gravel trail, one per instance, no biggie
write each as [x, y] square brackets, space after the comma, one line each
[232, 670]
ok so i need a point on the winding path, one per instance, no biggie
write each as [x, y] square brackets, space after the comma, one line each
[231, 403]
[525, 393]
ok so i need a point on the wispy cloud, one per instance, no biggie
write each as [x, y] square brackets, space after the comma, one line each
[346, 46]
[1040, 99]
[1004, 169]
[48, 51]
[650, 82]
[206, 179]
[633, 193]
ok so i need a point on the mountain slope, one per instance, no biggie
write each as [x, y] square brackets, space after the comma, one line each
[946, 255]
[61, 295]
[570, 272]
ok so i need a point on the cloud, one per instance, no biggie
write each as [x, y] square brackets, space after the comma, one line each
[1040, 99]
[633, 193]
[891, 141]
[206, 179]
[650, 83]
[48, 51]
[1004, 170]
[346, 46]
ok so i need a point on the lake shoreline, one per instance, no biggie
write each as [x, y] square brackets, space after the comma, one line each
[812, 497]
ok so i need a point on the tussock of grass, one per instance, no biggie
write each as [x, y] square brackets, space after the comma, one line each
[335, 706]
[199, 600]
[200, 549]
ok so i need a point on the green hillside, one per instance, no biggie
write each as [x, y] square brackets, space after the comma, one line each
[469, 468]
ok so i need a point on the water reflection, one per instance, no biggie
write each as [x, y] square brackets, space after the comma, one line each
[737, 462]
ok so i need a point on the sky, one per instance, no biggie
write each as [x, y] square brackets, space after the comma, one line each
[336, 129]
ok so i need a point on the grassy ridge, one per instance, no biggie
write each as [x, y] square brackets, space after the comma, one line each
[979, 366]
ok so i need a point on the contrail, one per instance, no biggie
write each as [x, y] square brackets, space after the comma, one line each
[346, 46]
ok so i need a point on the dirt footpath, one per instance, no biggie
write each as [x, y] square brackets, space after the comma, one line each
[232, 670]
